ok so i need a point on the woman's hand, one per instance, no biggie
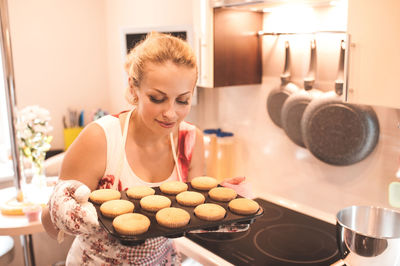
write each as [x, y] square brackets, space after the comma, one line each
[234, 180]
[70, 210]
[238, 184]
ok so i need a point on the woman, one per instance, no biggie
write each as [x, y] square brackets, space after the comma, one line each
[144, 146]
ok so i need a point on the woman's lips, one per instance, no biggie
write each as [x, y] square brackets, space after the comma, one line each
[166, 124]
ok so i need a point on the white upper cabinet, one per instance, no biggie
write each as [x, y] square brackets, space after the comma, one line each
[203, 41]
[374, 57]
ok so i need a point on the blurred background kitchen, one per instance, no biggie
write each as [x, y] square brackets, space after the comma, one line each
[70, 55]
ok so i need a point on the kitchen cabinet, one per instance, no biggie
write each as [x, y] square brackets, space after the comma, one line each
[227, 44]
[373, 65]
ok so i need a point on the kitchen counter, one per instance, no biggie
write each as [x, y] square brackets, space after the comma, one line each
[206, 257]
[198, 253]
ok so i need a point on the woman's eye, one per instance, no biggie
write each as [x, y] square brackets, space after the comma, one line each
[182, 101]
[156, 100]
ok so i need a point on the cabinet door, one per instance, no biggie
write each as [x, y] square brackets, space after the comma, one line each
[227, 45]
[374, 58]
[237, 47]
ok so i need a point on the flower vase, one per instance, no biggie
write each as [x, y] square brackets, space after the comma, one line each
[38, 177]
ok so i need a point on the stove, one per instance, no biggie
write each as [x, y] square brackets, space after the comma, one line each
[280, 237]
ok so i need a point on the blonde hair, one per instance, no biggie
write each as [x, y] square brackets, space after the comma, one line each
[156, 48]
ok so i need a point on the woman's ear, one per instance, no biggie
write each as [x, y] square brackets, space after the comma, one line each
[131, 93]
[135, 94]
[130, 81]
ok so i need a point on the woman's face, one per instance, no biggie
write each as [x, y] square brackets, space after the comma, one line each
[165, 95]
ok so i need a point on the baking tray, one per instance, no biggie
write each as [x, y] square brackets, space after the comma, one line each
[156, 230]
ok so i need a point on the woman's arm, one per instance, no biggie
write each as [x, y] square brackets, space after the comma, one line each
[48, 226]
[197, 164]
[85, 161]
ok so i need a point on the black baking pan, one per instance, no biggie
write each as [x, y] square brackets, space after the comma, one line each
[156, 230]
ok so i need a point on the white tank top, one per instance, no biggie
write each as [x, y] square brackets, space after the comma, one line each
[119, 174]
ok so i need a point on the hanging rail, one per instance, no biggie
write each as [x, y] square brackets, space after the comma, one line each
[263, 33]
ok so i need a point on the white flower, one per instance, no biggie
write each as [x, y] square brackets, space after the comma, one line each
[33, 130]
[26, 133]
[39, 128]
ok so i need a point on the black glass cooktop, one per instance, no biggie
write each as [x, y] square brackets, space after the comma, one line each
[280, 237]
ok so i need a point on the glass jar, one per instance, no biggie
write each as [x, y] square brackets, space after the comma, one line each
[210, 151]
[226, 155]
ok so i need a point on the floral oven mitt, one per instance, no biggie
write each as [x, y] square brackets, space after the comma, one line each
[70, 210]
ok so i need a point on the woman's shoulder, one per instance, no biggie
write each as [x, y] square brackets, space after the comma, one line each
[107, 119]
[187, 126]
[92, 134]
[190, 128]
[112, 117]
[190, 139]
[112, 123]
[193, 150]
[120, 114]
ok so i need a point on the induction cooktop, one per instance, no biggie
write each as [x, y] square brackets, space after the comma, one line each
[280, 237]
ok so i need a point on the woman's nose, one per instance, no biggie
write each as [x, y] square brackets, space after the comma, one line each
[169, 111]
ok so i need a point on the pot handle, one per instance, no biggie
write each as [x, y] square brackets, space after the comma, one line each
[340, 76]
[309, 80]
[339, 263]
[285, 76]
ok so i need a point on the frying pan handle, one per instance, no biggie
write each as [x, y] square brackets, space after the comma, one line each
[309, 80]
[340, 75]
[285, 76]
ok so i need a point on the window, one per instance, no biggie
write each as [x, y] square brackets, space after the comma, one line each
[133, 38]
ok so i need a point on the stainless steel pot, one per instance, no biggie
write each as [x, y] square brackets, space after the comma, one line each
[368, 236]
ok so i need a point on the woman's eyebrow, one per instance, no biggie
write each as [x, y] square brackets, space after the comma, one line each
[159, 91]
[166, 94]
[184, 93]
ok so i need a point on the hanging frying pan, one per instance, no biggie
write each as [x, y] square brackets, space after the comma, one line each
[294, 106]
[278, 96]
[336, 132]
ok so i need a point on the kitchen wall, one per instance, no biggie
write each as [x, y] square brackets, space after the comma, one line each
[270, 161]
[59, 54]
[71, 53]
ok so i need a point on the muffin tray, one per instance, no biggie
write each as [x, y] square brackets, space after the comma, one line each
[156, 230]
